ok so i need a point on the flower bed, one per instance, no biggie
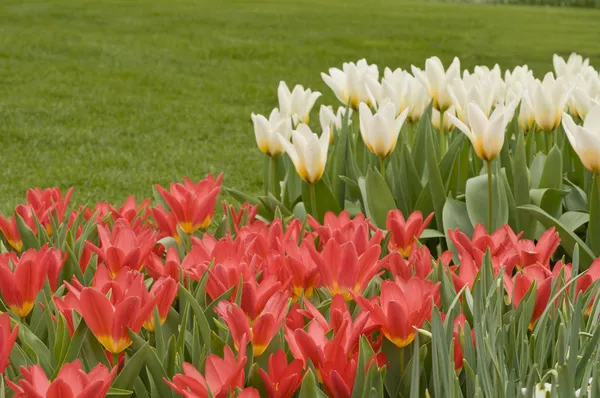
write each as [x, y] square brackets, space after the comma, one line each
[442, 242]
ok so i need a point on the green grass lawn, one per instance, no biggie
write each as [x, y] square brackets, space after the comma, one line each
[114, 96]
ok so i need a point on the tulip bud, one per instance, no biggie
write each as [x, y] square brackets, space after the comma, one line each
[380, 131]
[308, 152]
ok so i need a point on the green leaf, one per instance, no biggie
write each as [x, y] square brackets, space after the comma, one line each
[573, 220]
[377, 197]
[325, 201]
[568, 238]
[115, 392]
[549, 200]
[74, 347]
[594, 226]
[365, 353]
[476, 198]
[454, 216]
[415, 376]
[154, 365]
[30, 241]
[199, 314]
[520, 187]
[553, 170]
[339, 159]
[34, 346]
[436, 185]
[309, 389]
[133, 366]
[420, 145]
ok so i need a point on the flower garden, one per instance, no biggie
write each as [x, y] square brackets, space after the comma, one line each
[437, 237]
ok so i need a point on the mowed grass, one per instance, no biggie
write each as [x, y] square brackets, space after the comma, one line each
[114, 96]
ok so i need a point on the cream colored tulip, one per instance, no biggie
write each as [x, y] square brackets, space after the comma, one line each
[350, 83]
[486, 135]
[585, 139]
[333, 121]
[526, 114]
[380, 131]
[436, 79]
[297, 103]
[549, 98]
[267, 132]
[308, 152]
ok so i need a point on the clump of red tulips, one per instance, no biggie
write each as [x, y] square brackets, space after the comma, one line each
[152, 300]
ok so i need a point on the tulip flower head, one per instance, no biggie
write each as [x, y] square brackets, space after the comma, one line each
[267, 132]
[8, 337]
[486, 135]
[523, 281]
[192, 204]
[436, 79]
[221, 376]
[11, 232]
[71, 381]
[308, 152]
[296, 104]
[282, 379]
[550, 98]
[333, 121]
[380, 131]
[459, 329]
[21, 279]
[571, 67]
[350, 83]
[401, 307]
[109, 321]
[585, 139]
[526, 113]
[405, 232]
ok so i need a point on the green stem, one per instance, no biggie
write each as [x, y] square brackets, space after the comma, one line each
[115, 360]
[313, 200]
[443, 142]
[382, 166]
[273, 176]
[549, 141]
[401, 362]
[490, 191]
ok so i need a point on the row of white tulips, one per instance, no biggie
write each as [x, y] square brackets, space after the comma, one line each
[479, 103]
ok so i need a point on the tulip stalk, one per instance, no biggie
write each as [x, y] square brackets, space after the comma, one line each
[443, 142]
[273, 175]
[313, 199]
[382, 166]
[490, 191]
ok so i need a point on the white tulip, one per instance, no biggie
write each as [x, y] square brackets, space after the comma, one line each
[267, 132]
[574, 65]
[380, 131]
[333, 121]
[436, 79]
[541, 391]
[435, 119]
[585, 139]
[581, 102]
[403, 90]
[486, 135]
[296, 103]
[526, 114]
[308, 152]
[550, 97]
[350, 83]
[481, 92]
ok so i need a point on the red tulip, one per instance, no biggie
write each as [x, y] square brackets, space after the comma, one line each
[343, 229]
[165, 291]
[7, 340]
[245, 216]
[476, 247]
[459, 327]
[123, 248]
[260, 327]
[45, 204]
[404, 233]
[587, 279]
[192, 204]
[65, 306]
[11, 232]
[419, 263]
[249, 393]
[297, 267]
[171, 266]
[222, 376]
[525, 252]
[22, 279]
[342, 270]
[523, 281]
[109, 322]
[71, 381]
[283, 379]
[401, 307]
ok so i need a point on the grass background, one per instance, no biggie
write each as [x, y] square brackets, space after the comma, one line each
[113, 96]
